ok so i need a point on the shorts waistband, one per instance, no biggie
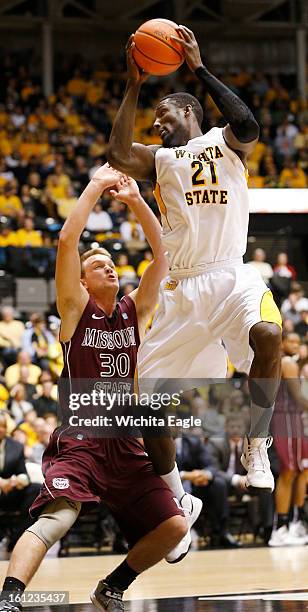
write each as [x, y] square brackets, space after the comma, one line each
[181, 273]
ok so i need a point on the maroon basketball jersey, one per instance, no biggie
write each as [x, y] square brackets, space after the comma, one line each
[102, 348]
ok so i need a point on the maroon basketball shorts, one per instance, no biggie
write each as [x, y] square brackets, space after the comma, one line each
[115, 471]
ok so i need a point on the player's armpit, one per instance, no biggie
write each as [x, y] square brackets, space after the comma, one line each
[70, 313]
[139, 164]
[235, 144]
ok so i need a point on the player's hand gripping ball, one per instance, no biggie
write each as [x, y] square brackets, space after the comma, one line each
[154, 51]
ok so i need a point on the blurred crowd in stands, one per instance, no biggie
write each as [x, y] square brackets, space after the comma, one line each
[48, 151]
[49, 148]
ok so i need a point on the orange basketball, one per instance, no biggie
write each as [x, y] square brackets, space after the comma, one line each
[155, 52]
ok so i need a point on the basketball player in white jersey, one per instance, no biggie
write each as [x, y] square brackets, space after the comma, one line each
[210, 298]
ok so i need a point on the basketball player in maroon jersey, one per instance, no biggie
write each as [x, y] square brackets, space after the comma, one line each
[81, 470]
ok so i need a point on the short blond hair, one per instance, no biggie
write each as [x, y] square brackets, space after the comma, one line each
[87, 254]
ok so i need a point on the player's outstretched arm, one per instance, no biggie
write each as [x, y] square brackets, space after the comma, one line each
[72, 297]
[136, 160]
[146, 296]
[242, 130]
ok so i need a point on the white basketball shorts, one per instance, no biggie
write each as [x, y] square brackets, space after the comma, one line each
[201, 320]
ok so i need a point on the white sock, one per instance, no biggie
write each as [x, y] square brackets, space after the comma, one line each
[173, 480]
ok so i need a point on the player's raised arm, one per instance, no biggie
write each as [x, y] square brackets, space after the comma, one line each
[136, 160]
[242, 131]
[72, 297]
[146, 296]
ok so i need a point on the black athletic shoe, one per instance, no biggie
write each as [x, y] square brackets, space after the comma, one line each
[106, 598]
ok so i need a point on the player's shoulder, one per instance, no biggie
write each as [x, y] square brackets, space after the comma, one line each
[127, 306]
[214, 136]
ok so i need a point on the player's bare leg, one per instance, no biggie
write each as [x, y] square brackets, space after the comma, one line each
[264, 380]
[56, 519]
[151, 549]
[27, 556]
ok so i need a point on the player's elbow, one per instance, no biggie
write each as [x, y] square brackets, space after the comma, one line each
[246, 128]
[253, 129]
[66, 238]
[249, 131]
[115, 158]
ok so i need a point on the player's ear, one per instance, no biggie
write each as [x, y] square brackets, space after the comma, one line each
[187, 110]
[83, 282]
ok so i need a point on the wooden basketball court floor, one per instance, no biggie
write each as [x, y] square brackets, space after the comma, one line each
[252, 579]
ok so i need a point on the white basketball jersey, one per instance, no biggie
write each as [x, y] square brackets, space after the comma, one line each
[203, 197]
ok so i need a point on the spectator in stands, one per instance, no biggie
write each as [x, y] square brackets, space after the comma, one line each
[225, 452]
[7, 235]
[17, 494]
[13, 372]
[51, 420]
[128, 288]
[97, 148]
[41, 338]
[136, 243]
[125, 271]
[11, 332]
[284, 141]
[45, 404]
[10, 203]
[99, 220]
[283, 268]
[287, 325]
[129, 225]
[259, 261]
[20, 436]
[55, 354]
[142, 266]
[301, 328]
[293, 176]
[291, 306]
[117, 212]
[18, 405]
[46, 376]
[255, 180]
[43, 432]
[28, 426]
[199, 477]
[65, 204]
[27, 236]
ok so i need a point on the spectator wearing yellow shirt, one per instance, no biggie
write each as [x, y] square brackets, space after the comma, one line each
[11, 330]
[77, 86]
[28, 426]
[4, 397]
[95, 92]
[125, 271]
[63, 178]
[10, 203]
[293, 176]
[7, 237]
[148, 257]
[28, 236]
[13, 372]
[65, 205]
[98, 146]
[255, 180]
[55, 190]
